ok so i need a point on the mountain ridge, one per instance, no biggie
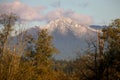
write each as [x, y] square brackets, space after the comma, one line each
[68, 36]
[66, 24]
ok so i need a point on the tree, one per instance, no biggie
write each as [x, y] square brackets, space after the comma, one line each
[14, 66]
[42, 56]
[44, 45]
[7, 21]
[105, 66]
[9, 61]
[112, 50]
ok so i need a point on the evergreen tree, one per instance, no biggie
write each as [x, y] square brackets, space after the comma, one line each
[42, 57]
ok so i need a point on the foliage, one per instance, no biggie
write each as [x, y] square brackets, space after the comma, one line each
[18, 64]
[112, 54]
[94, 66]
[7, 21]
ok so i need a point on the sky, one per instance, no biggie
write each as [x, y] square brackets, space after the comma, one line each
[40, 12]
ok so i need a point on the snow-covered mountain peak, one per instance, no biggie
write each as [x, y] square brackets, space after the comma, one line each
[65, 25]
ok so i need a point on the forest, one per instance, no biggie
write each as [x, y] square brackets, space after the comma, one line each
[18, 63]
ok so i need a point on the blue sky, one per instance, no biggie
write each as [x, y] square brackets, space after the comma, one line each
[98, 12]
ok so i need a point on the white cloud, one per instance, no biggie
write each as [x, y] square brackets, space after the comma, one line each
[52, 15]
[25, 12]
[28, 13]
[79, 18]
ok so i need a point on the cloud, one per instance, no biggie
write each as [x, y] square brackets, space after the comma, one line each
[56, 4]
[55, 14]
[28, 13]
[25, 12]
[79, 18]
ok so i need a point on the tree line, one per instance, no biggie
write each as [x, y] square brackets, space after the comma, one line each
[16, 63]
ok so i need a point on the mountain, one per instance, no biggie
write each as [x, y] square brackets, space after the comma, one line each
[69, 37]
[65, 26]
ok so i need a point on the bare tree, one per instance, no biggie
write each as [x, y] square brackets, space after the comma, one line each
[7, 22]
